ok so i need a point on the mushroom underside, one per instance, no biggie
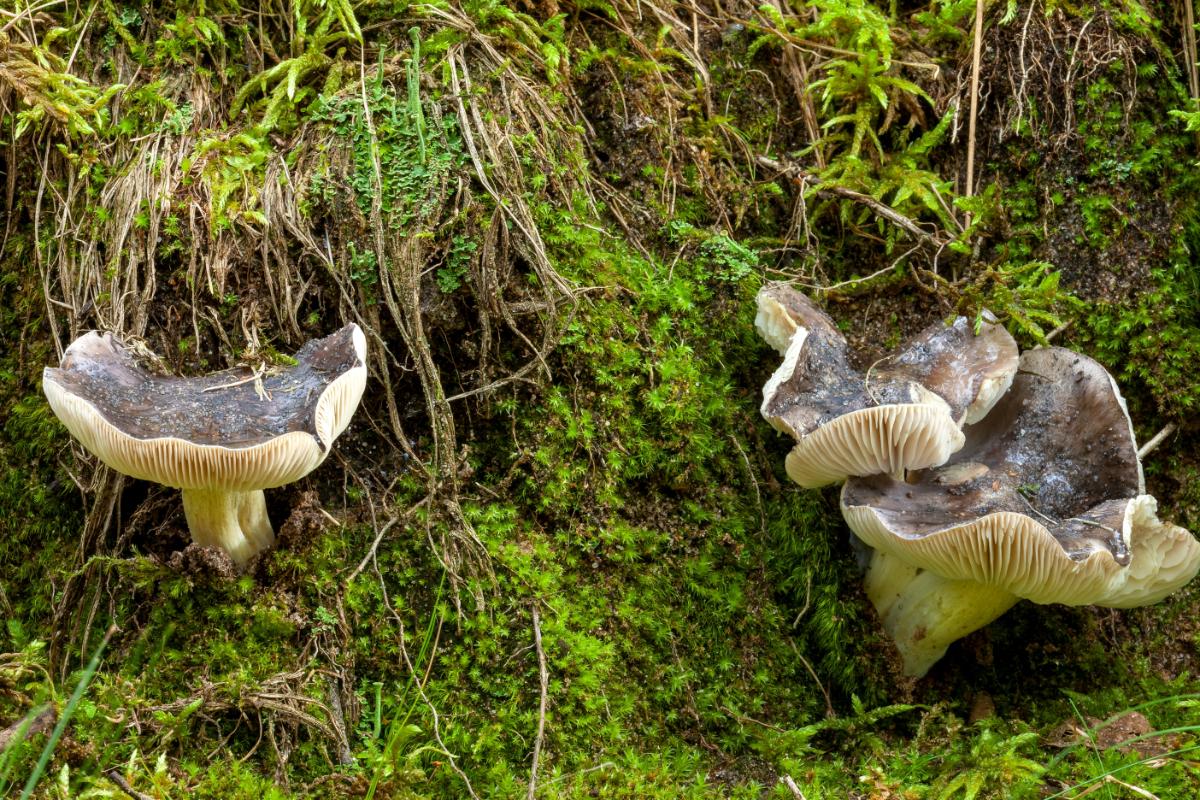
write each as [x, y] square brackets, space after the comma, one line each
[220, 438]
[934, 590]
[884, 439]
[1043, 502]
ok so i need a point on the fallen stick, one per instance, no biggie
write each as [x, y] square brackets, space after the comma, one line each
[25, 727]
[544, 680]
[1157, 439]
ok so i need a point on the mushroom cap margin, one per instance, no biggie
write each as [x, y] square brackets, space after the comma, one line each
[1014, 552]
[184, 464]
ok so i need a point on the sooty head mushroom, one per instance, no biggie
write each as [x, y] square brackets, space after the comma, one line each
[1045, 501]
[221, 438]
[904, 413]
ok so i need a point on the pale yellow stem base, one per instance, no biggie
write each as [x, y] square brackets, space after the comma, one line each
[924, 613]
[235, 522]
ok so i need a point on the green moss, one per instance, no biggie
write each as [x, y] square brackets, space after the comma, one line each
[700, 616]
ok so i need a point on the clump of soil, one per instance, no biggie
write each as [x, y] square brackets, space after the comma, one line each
[305, 523]
[208, 564]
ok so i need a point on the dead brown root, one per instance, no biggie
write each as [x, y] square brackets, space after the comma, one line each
[278, 710]
[1034, 68]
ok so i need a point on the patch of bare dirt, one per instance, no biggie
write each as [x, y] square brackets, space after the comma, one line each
[306, 522]
[1128, 733]
[876, 323]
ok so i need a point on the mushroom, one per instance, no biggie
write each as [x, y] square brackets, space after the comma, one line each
[221, 438]
[1045, 501]
[904, 413]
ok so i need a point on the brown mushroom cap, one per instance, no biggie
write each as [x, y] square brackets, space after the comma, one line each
[904, 414]
[970, 369]
[210, 432]
[782, 311]
[1045, 500]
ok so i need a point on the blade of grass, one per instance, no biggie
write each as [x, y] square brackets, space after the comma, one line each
[1122, 768]
[84, 681]
[1114, 717]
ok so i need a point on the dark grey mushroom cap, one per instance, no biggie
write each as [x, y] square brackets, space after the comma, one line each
[1045, 500]
[905, 413]
[970, 369]
[219, 431]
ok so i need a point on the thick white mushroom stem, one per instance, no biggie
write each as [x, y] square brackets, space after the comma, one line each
[236, 522]
[924, 612]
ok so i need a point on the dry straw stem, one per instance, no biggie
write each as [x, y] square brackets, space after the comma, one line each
[1189, 49]
[976, 50]
[797, 69]
[544, 686]
[122, 784]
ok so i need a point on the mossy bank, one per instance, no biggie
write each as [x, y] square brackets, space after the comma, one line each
[556, 554]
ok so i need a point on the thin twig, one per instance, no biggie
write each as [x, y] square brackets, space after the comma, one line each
[387, 526]
[544, 678]
[829, 712]
[742, 718]
[124, 786]
[25, 727]
[255, 375]
[762, 513]
[1050, 336]
[787, 781]
[1046, 517]
[809, 44]
[1135, 789]
[880, 209]
[1157, 439]
[597, 768]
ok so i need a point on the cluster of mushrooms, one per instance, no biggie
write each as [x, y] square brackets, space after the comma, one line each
[977, 476]
[220, 438]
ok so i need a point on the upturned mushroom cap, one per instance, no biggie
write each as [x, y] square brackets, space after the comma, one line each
[1045, 500]
[211, 432]
[970, 369]
[905, 413]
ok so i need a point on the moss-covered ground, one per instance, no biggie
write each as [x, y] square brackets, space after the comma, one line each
[556, 554]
